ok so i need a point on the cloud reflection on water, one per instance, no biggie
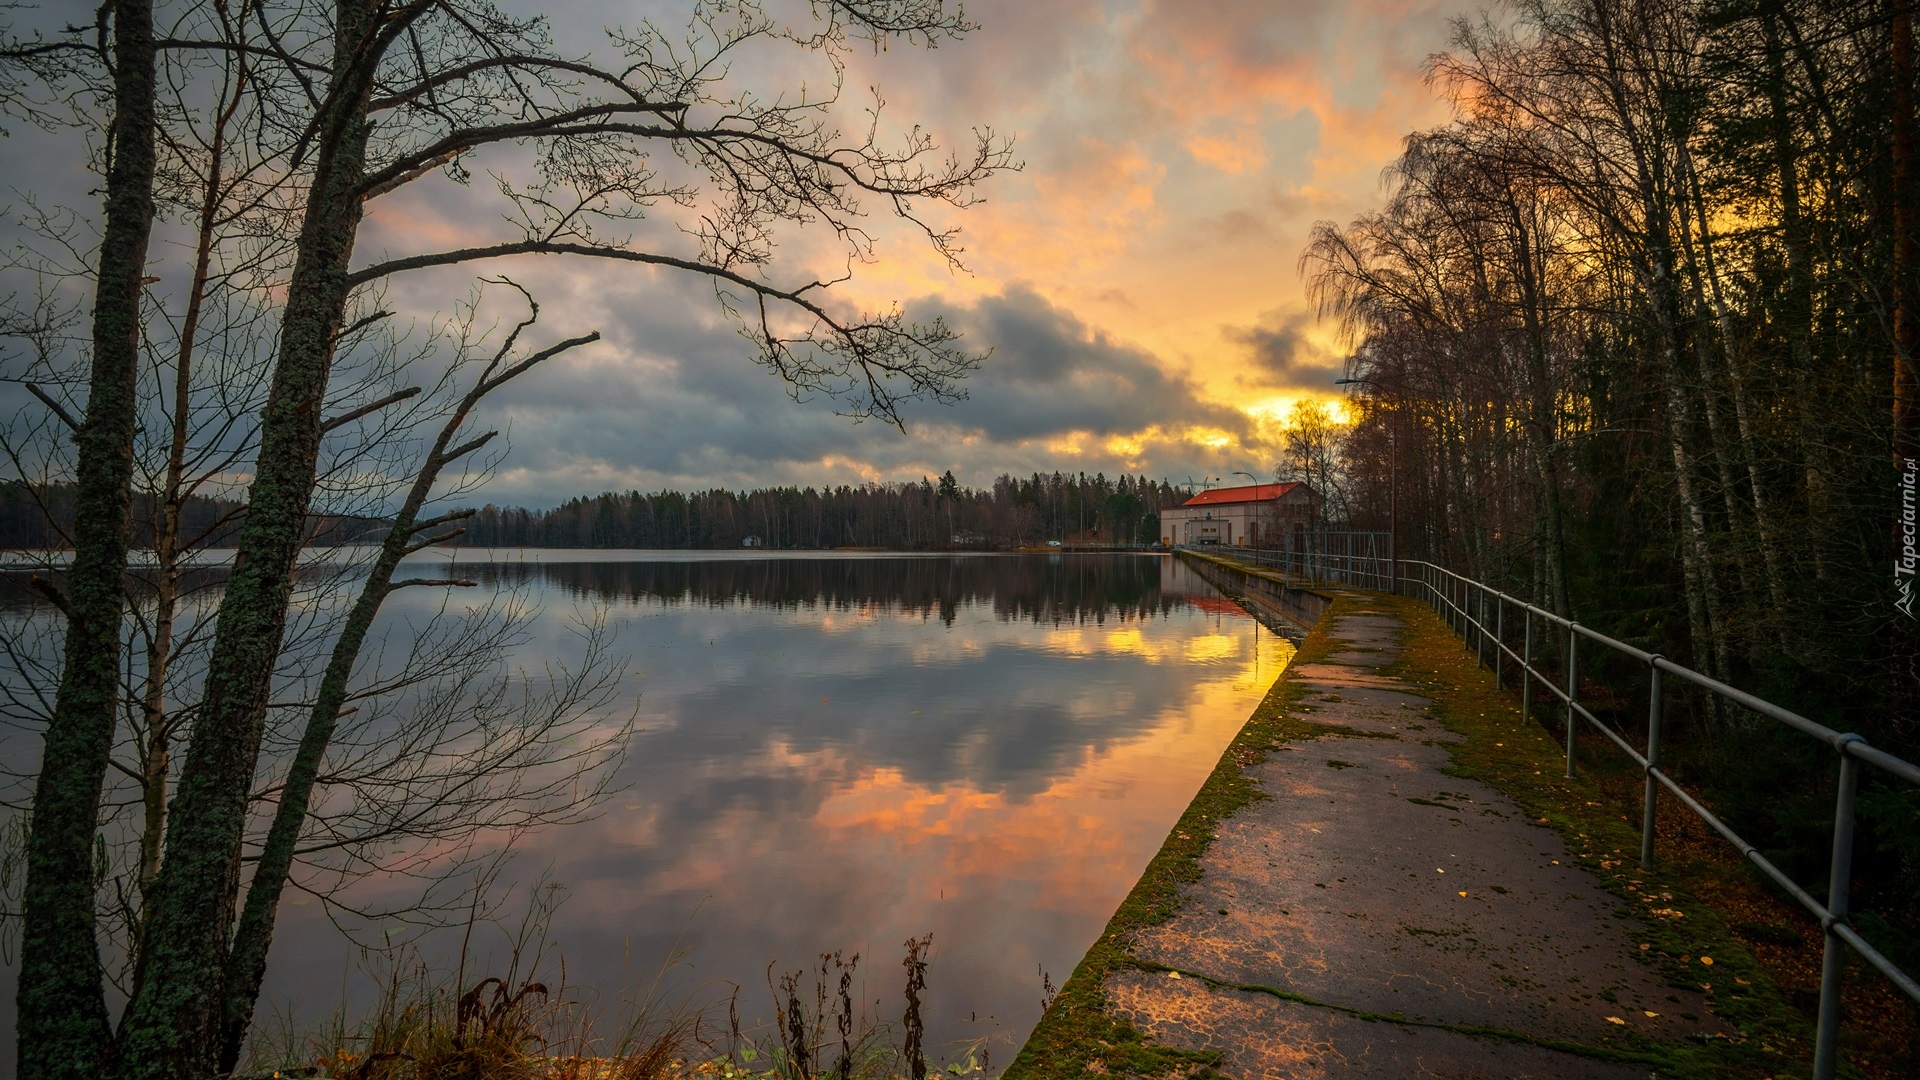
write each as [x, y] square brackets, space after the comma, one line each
[840, 755]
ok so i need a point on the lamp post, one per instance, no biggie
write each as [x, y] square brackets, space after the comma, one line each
[1393, 488]
[1256, 495]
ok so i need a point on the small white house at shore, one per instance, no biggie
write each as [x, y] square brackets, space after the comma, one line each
[1254, 515]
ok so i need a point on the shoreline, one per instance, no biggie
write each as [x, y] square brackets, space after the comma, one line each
[1083, 1032]
[1076, 1028]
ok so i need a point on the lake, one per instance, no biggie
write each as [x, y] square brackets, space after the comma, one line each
[838, 752]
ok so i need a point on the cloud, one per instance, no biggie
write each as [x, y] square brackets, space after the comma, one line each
[1285, 354]
[1051, 374]
[1136, 282]
[671, 398]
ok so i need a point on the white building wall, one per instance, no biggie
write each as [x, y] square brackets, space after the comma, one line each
[1237, 524]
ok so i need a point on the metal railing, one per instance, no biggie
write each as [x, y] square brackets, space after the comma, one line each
[1465, 603]
[1361, 560]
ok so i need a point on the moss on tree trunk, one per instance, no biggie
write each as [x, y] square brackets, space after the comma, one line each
[62, 1013]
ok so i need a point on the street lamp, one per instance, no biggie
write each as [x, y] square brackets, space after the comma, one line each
[1393, 486]
[1256, 496]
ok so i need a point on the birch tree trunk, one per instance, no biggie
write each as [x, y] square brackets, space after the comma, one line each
[171, 1024]
[63, 1029]
[247, 962]
[1798, 309]
[1763, 509]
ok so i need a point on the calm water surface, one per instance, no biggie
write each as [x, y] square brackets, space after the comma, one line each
[840, 753]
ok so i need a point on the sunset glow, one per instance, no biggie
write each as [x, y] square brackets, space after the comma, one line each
[1135, 287]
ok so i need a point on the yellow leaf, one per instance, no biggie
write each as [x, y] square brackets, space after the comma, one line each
[1463, 892]
[1707, 960]
[1650, 1013]
[1616, 1020]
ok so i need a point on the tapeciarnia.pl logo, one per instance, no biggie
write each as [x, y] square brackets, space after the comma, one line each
[1903, 566]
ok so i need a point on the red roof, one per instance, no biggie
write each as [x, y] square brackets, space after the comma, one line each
[1243, 494]
[1217, 605]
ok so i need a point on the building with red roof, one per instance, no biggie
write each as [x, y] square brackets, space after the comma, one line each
[1253, 515]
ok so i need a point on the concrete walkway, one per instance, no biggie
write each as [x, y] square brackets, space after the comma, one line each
[1373, 884]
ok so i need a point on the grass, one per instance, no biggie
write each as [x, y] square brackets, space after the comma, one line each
[523, 1023]
[526, 1024]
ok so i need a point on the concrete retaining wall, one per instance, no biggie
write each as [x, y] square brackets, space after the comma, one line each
[1299, 607]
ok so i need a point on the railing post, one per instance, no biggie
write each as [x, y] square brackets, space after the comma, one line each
[1826, 1049]
[1526, 667]
[1653, 762]
[1480, 628]
[1499, 641]
[1573, 684]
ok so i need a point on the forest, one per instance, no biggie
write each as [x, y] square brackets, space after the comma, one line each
[1633, 336]
[1013, 512]
[931, 514]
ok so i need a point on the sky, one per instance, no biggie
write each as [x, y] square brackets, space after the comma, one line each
[1137, 280]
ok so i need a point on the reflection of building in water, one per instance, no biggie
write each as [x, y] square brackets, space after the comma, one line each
[1256, 515]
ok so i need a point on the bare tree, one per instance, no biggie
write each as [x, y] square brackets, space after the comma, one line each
[667, 133]
[62, 1010]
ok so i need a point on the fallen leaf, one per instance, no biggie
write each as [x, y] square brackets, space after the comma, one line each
[1650, 1013]
[1707, 960]
[1616, 1020]
[1463, 892]
[1437, 870]
[1173, 974]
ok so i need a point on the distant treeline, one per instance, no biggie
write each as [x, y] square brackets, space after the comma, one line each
[1013, 512]
[40, 516]
[931, 514]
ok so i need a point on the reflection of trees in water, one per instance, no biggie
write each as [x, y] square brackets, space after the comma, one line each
[1061, 588]
[17, 588]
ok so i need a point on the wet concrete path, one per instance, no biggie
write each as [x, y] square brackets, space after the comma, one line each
[1373, 884]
